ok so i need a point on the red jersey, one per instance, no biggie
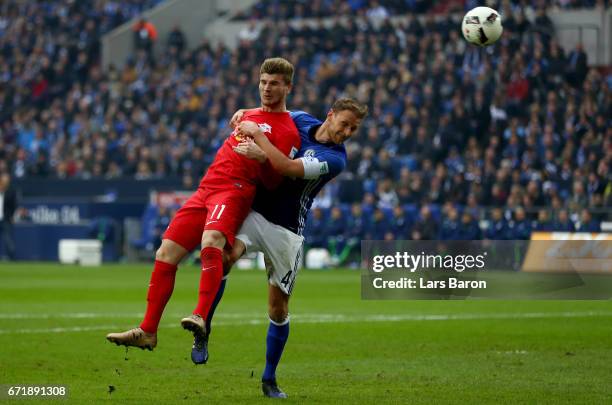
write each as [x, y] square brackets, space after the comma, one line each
[230, 166]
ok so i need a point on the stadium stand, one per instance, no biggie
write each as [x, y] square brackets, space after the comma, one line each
[454, 131]
[298, 9]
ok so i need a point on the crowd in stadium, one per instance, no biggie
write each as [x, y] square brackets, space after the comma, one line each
[296, 9]
[522, 125]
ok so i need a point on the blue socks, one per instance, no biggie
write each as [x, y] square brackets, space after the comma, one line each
[278, 333]
[218, 297]
[275, 343]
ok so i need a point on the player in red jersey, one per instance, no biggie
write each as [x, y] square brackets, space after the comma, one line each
[213, 214]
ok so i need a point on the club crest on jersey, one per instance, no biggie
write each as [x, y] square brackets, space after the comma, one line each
[238, 136]
[309, 153]
[265, 128]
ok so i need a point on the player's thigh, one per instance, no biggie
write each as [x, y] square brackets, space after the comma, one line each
[187, 226]
[226, 212]
[252, 232]
[282, 251]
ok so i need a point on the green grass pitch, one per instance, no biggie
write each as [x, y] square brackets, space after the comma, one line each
[53, 320]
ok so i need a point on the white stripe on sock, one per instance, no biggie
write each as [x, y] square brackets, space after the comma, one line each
[285, 322]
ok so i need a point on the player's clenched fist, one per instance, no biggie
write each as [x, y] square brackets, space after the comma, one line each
[250, 129]
[249, 149]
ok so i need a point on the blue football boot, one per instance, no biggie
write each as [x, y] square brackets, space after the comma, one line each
[271, 390]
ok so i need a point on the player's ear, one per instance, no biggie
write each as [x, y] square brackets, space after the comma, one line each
[330, 113]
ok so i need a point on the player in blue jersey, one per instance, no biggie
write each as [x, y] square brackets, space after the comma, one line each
[276, 223]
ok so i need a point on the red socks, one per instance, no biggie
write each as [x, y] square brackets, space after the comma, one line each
[162, 284]
[210, 279]
[160, 290]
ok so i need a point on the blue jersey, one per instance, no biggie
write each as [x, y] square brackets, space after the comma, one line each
[288, 204]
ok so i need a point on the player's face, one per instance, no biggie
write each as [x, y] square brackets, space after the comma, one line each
[272, 89]
[342, 125]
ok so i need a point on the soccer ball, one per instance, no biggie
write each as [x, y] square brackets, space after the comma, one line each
[482, 26]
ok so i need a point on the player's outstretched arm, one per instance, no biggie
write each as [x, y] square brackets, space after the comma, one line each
[280, 162]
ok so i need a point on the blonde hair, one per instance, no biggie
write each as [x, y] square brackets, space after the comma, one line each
[360, 110]
[281, 66]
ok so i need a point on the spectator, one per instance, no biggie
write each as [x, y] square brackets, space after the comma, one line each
[498, 228]
[425, 227]
[563, 222]
[164, 216]
[314, 231]
[587, 223]
[337, 242]
[250, 33]
[357, 224]
[449, 230]
[8, 206]
[378, 226]
[544, 224]
[544, 25]
[387, 197]
[469, 228]
[176, 40]
[577, 68]
[145, 35]
[400, 224]
[520, 226]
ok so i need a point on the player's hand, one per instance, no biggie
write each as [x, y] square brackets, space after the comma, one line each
[250, 149]
[236, 118]
[249, 129]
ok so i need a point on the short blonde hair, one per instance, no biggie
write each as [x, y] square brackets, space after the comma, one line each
[360, 110]
[281, 66]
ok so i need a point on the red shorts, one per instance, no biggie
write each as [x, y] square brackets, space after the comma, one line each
[220, 210]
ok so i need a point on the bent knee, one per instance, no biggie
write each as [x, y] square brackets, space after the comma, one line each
[163, 254]
[170, 252]
[213, 239]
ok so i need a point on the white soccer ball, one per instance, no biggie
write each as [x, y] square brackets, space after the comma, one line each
[482, 26]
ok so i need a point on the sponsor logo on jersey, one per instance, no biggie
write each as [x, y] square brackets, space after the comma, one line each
[324, 168]
[293, 152]
[309, 153]
[238, 136]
